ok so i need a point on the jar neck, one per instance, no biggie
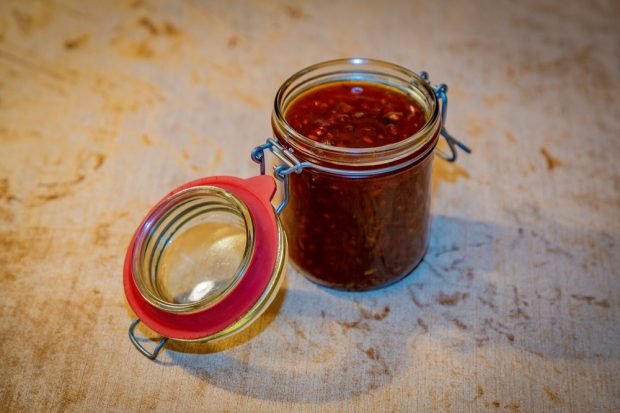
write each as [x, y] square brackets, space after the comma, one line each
[389, 157]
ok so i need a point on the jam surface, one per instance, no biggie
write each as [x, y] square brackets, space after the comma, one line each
[357, 233]
[355, 115]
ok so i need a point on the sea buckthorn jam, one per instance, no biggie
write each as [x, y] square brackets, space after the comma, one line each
[362, 221]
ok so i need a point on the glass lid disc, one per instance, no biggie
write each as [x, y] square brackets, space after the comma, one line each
[193, 250]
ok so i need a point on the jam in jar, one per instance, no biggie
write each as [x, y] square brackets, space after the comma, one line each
[357, 216]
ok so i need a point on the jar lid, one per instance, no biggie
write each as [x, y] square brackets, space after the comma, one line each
[207, 259]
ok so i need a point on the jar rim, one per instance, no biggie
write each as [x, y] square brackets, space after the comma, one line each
[391, 152]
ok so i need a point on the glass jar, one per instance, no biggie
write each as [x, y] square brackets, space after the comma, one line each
[209, 257]
[358, 218]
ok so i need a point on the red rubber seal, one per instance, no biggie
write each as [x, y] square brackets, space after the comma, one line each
[256, 194]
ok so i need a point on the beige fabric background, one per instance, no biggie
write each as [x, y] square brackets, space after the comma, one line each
[105, 106]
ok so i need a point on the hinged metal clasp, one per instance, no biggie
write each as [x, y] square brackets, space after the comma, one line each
[441, 91]
[289, 164]
[145, 352]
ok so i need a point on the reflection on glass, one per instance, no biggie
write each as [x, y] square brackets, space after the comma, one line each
[200, 261]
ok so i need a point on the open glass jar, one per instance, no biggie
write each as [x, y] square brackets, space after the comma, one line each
[369, 205]
[209, 257]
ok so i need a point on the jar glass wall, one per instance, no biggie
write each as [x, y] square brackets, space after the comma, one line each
[360, 220]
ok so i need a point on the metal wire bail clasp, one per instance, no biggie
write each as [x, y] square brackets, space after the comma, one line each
[289, 164]
[441, 91]
[136, 343]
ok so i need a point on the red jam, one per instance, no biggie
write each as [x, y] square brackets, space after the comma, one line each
[364, 232]
[355, 115]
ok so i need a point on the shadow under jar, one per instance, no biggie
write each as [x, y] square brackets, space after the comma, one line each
[357, 217]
